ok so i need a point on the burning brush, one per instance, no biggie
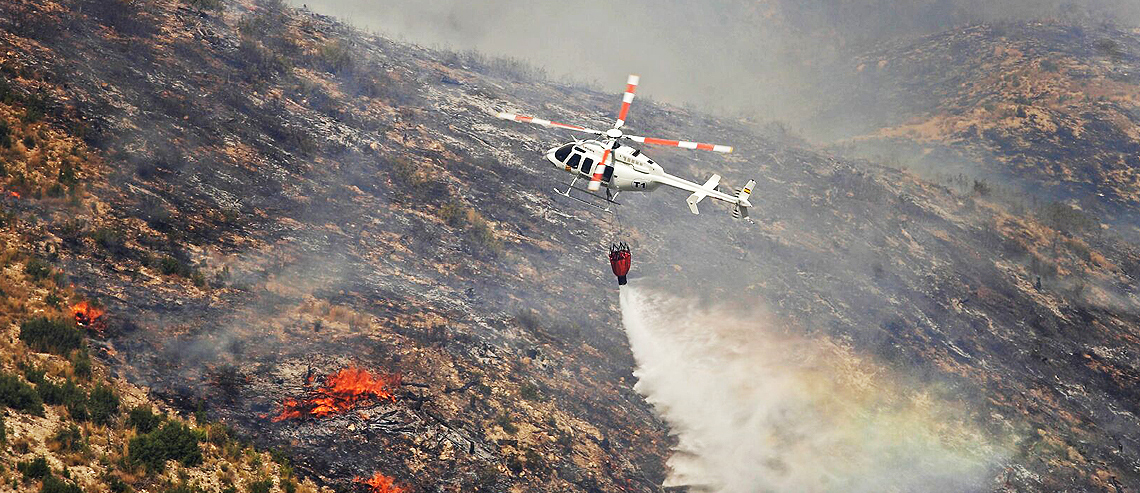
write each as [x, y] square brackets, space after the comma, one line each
[379, 483]
[341, 392]
[89, 317]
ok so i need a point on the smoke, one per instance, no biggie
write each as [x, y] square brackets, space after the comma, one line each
[767, 59]
[755, 410]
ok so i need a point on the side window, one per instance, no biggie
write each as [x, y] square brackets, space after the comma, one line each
[587, 165]
[609, 173]
[573, 162]
[561, 153]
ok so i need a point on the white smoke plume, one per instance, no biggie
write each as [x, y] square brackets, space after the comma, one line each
[754, 410]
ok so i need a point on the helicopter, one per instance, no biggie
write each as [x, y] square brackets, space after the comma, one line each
[606, 160]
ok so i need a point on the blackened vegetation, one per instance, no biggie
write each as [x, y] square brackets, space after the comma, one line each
[324, 165]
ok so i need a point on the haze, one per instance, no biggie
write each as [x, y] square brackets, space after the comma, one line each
[762, 59]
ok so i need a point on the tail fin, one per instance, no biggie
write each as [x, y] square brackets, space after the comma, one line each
[740, 210]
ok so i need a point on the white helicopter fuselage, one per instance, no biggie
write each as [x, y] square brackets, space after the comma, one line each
[633, 171]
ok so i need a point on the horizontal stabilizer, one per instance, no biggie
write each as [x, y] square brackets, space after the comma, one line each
[700, 195]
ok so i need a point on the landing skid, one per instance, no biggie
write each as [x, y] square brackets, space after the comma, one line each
[608, 199]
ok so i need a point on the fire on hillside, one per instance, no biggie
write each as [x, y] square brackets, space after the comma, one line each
[341, 392]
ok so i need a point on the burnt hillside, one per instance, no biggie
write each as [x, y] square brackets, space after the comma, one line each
[275, 197]
[1051, 111]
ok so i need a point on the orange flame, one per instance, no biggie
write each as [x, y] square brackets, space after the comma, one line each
[89, 316]
[379, 483]
[341, 392]
[14, 194]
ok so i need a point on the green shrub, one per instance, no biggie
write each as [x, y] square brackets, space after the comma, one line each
[81, 364]
[67, 175]
[34, 469]
[110, 240]
[172, 441]
[183, 487]
[529, 391]
[37, 269]
[5, 134]
[52, 484]
[504, 422]
[173, 266]
[103, 405]
[20, 396]
[116, 484]
[205, 5]
[69, 439]
[261, 486]
[3, 431]
[51, 336]
[36, 106]
[1066, 219]
[69, 395]
[453, 213]
[53, 300]
[480, 234]
[335, 57]
[31, 373]
[143, 420]
[29, 142]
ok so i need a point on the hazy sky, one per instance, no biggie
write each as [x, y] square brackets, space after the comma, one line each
[749, 57]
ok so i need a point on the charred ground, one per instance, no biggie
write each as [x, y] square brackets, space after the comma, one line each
[272, 196]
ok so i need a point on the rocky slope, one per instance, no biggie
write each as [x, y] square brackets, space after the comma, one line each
[277, 197]
[1048, 110]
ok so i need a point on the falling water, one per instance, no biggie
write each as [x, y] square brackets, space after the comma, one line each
[753, 410]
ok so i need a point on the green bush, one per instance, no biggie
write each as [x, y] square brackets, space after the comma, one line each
[172, 441]
[205, 5]
[51, 336]
[81, 364]
[5, 134]
[103, 405]
[480, 234]
[110, 240]
[34, 469]
[69, 439]
[31, 373]
[37, 269]
[67, 175]
[173, 266]
[20, 396]
[116, 484]
[143, 420]
[55, 485]
[69, 395]
[29, 142]
[453, 214]
[261, 486]
[335, 57]
[504, 422]
[3, 431]
[529, 391]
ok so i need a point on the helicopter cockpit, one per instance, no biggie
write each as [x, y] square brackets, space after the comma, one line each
[573, 157]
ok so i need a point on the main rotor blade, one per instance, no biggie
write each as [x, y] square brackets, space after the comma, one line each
[626, 99]
[596, 180]
[547, 123]
[680, 143]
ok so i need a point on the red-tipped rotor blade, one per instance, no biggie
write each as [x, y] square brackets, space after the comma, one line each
[626, 99]
[596, 180]
[547, 123]
[680, 143]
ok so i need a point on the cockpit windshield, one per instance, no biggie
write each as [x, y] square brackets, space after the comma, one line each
[562, 152]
